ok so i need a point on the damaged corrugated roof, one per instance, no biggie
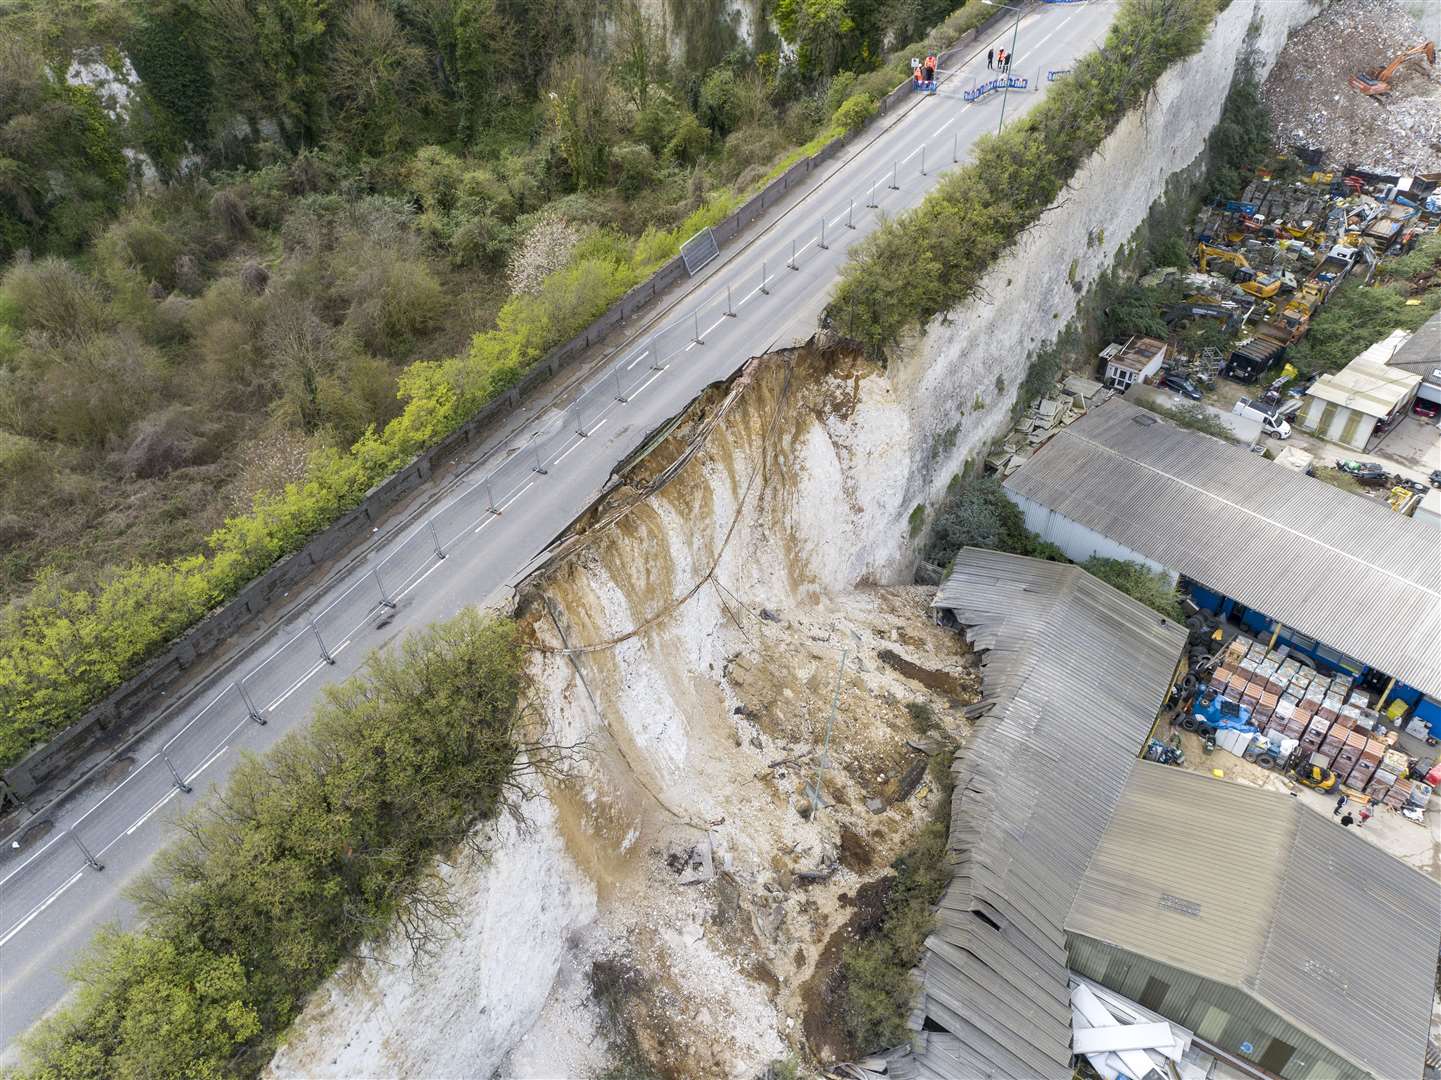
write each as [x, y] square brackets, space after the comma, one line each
[1339, 568]
[1328, 931]
[1073, 673]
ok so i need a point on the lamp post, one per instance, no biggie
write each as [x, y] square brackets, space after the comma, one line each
[1015, 29]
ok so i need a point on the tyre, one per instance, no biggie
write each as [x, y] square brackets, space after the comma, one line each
[1266, 760]
[1189, 683]
[1206, 731]
[1195, 622]
[1188, 723]
[1251, 753]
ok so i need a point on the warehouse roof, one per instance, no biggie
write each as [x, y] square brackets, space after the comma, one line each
[1336, 567]
[1060, 704]
[1296, 912]
[1370, 384]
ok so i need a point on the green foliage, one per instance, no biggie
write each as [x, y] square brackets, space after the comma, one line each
[1151, 587]
[61, 167]
[854, 113]
[977, 513]
[1356, 316]
[1136, 311]
[1239, 141]
[323, 844]
[950, 240]
[877, 967]
[917, 520]
[172, 68]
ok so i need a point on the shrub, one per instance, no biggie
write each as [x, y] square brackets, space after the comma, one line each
[877, 968]
[855, 113]
[325, 842]
[958, 231]
[977, 513]
[1152, 588]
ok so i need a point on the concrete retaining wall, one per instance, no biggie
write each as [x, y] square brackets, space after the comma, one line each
[137, 703]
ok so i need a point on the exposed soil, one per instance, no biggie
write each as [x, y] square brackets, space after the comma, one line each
[117, 770]
[958, 688]
[823, 993]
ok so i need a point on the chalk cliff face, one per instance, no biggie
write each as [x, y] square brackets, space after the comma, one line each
[958, 379]
[689, 633]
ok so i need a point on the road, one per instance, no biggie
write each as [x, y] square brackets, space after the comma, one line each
[764, 294]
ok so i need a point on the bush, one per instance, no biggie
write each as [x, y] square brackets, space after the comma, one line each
[1151, 587]
[324, 843]
[855, 113]
[977, 513]
[877, 968]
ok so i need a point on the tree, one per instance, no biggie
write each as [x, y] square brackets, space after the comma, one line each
[376, 79]
[61, 167]
[639, 53]
[819, 29]
[582, 119]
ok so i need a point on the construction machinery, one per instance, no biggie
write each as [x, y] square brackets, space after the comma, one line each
[1373, 83]
[1206, 252]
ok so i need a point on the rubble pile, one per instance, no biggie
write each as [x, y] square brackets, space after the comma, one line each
[1313, 105]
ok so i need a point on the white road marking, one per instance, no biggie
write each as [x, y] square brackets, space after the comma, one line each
[38, 908]
[208, 762]
[143, 818]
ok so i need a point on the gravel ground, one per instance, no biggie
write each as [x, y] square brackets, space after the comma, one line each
[1312, 103]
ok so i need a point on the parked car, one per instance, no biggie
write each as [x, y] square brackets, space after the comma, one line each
[1182, 386]
[1436, 478]
[1429, 410]
[1369, 473]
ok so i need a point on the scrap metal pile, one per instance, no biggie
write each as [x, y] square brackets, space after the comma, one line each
[1315, 103]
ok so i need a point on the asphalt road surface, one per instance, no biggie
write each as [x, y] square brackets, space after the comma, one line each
[763, 294]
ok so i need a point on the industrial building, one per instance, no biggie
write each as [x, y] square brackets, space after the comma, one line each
[1348, 407]
[1225, 908]
[995, 1000]
[1342, 580]
[1276, 936]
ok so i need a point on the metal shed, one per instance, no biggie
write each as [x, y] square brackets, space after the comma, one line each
[1267, 928]
[1073, 674]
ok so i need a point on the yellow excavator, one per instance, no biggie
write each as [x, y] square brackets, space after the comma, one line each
[1378, 81]
[1205, 253]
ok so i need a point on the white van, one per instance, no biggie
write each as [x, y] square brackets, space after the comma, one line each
[1271, 424]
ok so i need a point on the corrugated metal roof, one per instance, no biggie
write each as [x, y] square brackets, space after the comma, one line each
[1369, 384]
[1255, 890]
[1073, 672]
[1337, 567]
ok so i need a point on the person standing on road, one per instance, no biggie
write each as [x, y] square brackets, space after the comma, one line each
[990, 59]
[1009, 58]
[1347, 820]
[1001, 60]
[1340, 805]
[1364, 814]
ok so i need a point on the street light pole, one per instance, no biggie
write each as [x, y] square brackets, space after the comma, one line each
[1015, 30]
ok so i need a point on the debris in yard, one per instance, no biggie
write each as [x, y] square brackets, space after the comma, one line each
[1313, 104]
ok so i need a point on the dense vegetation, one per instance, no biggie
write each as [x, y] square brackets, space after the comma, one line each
[876, 968]
[950, 240]
[326, 842]
[1406, 292]
[366, 219]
